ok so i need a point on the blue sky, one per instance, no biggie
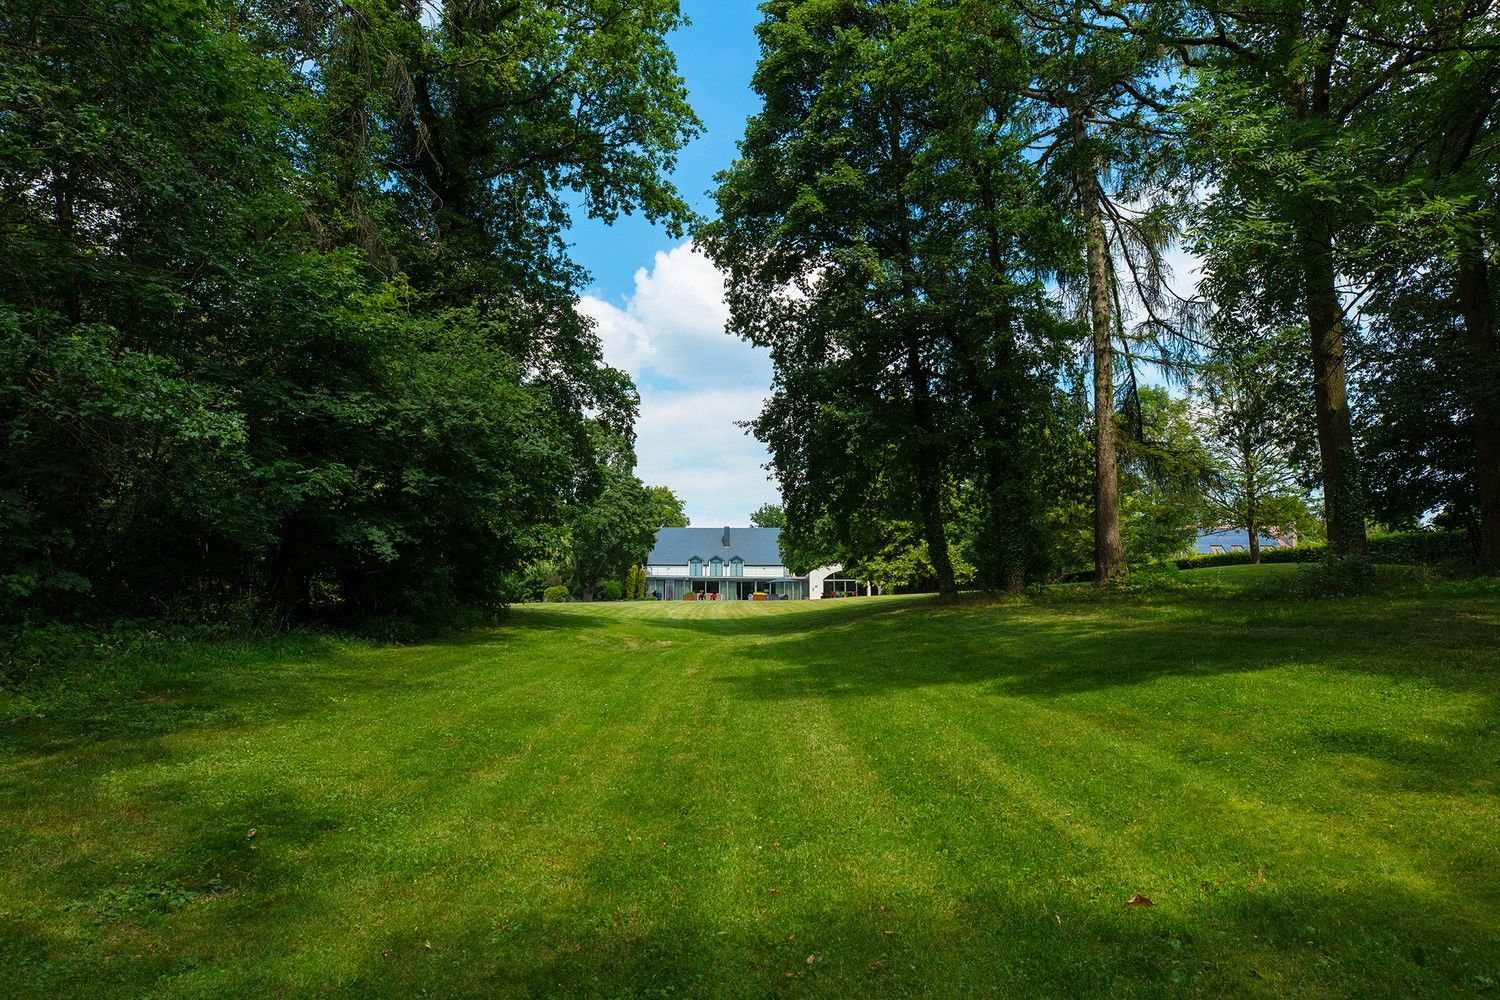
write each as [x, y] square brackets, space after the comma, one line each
[659, 305]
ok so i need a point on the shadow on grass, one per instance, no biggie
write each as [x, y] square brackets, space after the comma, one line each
[1041, 941]
[990, 944]
[123, 705]
[651, 934]
[1069, 647]
[108, 921]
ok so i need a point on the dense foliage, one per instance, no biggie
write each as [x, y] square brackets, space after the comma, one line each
[286, 320]
[951, 225]
[768, 515]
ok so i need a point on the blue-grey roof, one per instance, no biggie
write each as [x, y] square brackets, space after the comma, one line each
[756, 546]
[1228, 538]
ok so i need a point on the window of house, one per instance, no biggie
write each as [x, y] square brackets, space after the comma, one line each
[1216, 549]
[716, 566]
[736, 566]
[695, 566]
[1236, 548]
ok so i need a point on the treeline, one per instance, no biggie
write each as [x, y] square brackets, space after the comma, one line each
[286, 316]
[952, 221]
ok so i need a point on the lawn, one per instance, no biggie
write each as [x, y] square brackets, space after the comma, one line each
[884, 797]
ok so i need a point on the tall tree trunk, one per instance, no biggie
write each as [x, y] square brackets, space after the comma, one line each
[997, 410]
[1252, 507]
[928, 473]
[1109, 551]
[291, 583]
[1479, 321]
[1342, 490]
[927, 466]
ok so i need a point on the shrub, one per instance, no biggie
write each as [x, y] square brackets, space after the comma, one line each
[1300, 554]
[556, 595]
[1160, 578]
[1423, 548]
[1337, 576]
[610, 590]
[635, 583]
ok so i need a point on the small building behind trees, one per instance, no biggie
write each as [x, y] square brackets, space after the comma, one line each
[1220, 540]
[736, 564]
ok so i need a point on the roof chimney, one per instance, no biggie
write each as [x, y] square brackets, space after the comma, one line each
[725, 542]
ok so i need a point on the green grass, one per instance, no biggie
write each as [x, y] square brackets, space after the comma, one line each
[887, 797]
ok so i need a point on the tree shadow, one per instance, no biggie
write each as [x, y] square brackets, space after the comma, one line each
[102, 919]
[1037, 940]
[1069, 647]
[117, 718]
[678, 932]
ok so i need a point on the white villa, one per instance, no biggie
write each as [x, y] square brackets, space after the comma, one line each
[736, 564]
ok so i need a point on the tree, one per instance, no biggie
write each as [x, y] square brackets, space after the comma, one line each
[669, 506]
[1292, 112]
[1101, 95]
[1433, 332]
[285, 311]
[1252, 394]
[1416, 422]
[1163, 467]
[635, 583]
[877, 234]
[613, 528]
[768, 515]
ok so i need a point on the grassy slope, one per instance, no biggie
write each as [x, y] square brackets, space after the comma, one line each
[889, 796]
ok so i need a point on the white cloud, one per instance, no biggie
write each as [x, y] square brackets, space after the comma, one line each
[696, 382]
[672, 325]
[687, 439]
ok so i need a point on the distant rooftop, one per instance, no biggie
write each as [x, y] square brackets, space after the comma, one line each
[755, 546]
[1227, 538]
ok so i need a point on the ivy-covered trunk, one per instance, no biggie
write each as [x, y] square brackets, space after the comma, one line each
[1479, 322]
[1343, 488]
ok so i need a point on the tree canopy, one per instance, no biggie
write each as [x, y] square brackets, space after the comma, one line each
[288, 324]
[951, 224]
[286, 316]
[768, 515]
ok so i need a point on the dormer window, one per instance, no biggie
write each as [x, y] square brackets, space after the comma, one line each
[716, 566]
[695, 566]
[736, 566]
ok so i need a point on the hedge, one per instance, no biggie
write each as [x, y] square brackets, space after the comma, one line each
[1412, 548]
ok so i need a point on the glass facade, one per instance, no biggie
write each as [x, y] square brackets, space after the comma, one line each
[841, 587]
[724, 588]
